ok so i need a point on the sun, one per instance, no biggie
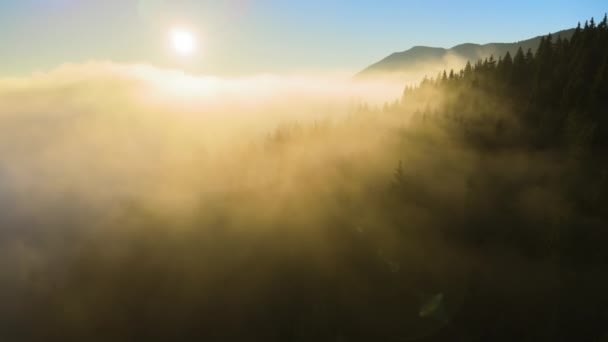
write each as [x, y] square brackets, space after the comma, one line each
[183, 41]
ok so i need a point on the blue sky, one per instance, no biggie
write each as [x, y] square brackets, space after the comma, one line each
[274, 36]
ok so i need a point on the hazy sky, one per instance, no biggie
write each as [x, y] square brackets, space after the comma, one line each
[274, 36]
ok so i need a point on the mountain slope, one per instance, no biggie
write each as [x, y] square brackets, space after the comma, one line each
[430, 60]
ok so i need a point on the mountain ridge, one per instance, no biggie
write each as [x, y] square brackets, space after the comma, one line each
[431, 60]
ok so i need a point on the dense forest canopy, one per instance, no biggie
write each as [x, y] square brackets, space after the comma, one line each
[556, 93]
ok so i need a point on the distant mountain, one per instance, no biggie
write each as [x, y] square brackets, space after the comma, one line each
[422, 60]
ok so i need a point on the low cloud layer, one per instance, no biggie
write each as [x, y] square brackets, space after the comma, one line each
[105, 127]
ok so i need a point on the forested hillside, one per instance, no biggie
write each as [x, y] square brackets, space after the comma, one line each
[536, 126]
[556, 93]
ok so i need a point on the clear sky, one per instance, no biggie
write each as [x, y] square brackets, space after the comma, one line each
[273, 36]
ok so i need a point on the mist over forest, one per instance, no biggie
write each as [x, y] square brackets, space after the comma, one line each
[145, 204]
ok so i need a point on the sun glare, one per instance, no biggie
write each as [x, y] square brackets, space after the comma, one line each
[183, 41]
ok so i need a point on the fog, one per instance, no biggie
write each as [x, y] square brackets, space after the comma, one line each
[103, 130]
[146, 204]
[412, 72]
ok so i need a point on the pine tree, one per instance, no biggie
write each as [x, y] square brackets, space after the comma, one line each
[399, 174]
[491, 62]
[468, 70]
[519, 59]
[508, 60]
[529, 57]
[604, 24]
